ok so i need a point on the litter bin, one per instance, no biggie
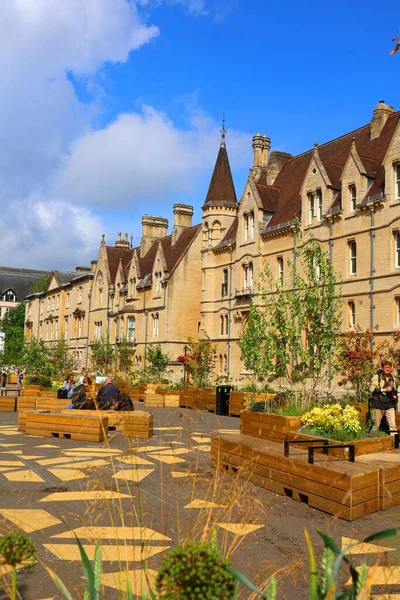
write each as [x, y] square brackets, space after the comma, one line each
[222, 399]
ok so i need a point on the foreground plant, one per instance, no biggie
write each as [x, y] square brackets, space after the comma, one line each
[16, 549]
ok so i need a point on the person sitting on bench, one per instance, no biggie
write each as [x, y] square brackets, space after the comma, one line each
[79, 397]
[108, 395]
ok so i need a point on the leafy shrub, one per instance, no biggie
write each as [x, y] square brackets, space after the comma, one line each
[334, 421]
[195, 571]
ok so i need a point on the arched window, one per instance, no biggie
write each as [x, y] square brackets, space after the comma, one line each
[222, 325]
[205, 234]
[216, 233]
[226, 324]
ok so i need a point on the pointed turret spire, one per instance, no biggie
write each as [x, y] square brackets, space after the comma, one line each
[223, 132]
[221, 190]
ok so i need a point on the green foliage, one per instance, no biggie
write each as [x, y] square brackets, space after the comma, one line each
[355, 361]
[37, 363]
[158, 362]
[125, 355]
[200, 361]
[292, 333]
[17, 548]
[60, 358]
[195, 571]
[12, 325]
[102, 355]
[41, 284]
[333, 419]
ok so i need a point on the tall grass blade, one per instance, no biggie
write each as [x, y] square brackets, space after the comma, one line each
[314, 595]
[240, 577]
[60, 585]
[87, 569]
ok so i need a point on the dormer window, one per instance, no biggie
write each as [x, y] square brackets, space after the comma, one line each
[397, 181]
[311, 213]
[319, 205]
[9, 296]
[249, 226]
[353, 198]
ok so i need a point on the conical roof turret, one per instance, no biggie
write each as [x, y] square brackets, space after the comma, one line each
[221, 191]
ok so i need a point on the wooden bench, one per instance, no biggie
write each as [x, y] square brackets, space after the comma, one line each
[22, 416]
[336, 486]
[31, 390]
[70, 426]
[155, 400]
[26, 402]
[8, 403]
[138, 424]
[54, 404]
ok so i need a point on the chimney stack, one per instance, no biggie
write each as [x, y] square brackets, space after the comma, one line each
[122, 243]
[153, 228]
[183, 214]
[93, 264]
[275, 163]
[381, 114]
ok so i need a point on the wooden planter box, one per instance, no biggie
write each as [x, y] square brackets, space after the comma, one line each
[171, 397]
[240, 401]
[268, 425]
[197, 398]
[362, 447]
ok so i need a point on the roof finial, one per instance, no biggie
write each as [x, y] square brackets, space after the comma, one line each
[103, 240]
[223, 131]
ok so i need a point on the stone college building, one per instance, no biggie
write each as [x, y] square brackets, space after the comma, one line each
[200, 280]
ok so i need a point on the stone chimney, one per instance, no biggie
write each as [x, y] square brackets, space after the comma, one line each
[261, 145]
[275, 163]
[82, 269]
[183, 214]
[381, 114]
[122, 243]
[153, 228]
[93, 264]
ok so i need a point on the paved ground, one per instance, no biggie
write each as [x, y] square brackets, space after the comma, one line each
[142, 499]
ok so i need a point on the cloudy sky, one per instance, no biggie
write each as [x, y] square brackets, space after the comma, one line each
[110, 109]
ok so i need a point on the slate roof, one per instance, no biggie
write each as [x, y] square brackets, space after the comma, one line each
[221, 190]
[114, 255]
[18, 280]
[333, 156]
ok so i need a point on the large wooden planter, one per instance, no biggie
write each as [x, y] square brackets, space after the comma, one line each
[279, 427]
[240, 401]
[268, 425]
[197, 398]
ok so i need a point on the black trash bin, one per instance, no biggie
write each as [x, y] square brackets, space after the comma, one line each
[222, 399]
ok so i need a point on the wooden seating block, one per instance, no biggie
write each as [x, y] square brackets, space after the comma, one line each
[171, 400]
[55, 404]
[26, 403]
[22, 416]
[156, 400]
[72, 426]
[339, 487]
[31, 390]
[138, 424]
[115, 417]
[388, 463]
[8, 403]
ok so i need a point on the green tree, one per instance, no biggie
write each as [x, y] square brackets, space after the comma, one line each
[292, 332]
[200, 361]
[12, 326]
[158, 362]
[125, 354]
[36, 361]
[60, 358]
[102, 355]
[40, 285]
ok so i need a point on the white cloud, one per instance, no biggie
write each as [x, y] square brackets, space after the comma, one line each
[48, 234]
[143, 156]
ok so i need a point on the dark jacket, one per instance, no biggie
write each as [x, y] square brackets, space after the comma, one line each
[380, 399]
[79, 399]
[108, 395]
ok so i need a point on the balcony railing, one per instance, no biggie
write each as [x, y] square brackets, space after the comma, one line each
[246, 291]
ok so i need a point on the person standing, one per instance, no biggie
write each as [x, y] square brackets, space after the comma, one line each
[3, 376]
[384, 396]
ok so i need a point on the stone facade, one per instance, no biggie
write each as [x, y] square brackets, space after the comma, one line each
[201, 280]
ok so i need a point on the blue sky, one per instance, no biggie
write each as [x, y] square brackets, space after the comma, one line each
[112, 109]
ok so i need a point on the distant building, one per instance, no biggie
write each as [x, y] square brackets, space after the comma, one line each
[15, 285]
[201, 280]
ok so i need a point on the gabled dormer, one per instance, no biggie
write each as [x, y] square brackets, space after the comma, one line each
[316, 191]
[158, 272]
[355, 181]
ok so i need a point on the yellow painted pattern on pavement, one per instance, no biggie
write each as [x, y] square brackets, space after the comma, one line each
[240, 528]
[68, 474]
[167, 428]
[11, 463]
[48, 446]
[169, 460]
[133, 475]
[25, 475]
[91, 450]
[201, 439]
[113, 533]
[203, 504]
[96, 495]
[140, 580]
[202, 448]
[109, 553]
[178, 474]
[382, 575]
[29, 519]
[362, 548]
[134, 460]
[170, 452]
